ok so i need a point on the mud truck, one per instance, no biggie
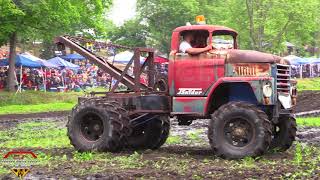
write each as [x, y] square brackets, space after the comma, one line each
[248, 96]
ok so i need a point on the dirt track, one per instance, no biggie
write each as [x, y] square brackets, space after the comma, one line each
[194, 157]
[308, 101]
[191, 158]
[185, 160]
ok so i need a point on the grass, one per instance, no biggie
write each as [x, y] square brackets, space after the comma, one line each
[312, 121]
[35, 108]
[312, 84]
[36, 101]
[36, 97]
[35, 134]
[174, 140]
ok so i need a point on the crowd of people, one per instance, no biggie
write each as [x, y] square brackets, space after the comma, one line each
[58, 79]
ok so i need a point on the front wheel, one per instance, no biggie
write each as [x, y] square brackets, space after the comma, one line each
[239, 129]
[284, 133]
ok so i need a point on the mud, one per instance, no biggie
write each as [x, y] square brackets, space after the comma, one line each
[308, 101]
[193, 150]
[55, 114]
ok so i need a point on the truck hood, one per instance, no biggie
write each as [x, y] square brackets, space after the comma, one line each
[249, 56]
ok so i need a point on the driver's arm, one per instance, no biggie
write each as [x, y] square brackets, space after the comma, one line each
[195, 51]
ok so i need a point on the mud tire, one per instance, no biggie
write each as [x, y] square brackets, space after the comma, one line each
[284, 133]
[161, 84]
[258, 122]
[151, 135]
[114, 122]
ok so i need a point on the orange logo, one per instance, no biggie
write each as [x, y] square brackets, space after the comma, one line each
[20, 172]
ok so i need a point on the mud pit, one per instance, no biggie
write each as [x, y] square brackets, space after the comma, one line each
[186, 155]
[308, 101]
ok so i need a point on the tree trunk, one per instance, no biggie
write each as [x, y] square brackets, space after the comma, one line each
[12, 62]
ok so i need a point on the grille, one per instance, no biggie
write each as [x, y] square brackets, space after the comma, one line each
[283, 78]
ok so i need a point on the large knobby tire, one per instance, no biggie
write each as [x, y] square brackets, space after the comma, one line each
[97, 124]
[239, 129]
[161, 83]
[284, 133]
[151, 135]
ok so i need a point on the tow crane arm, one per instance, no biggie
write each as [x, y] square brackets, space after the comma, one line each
[133, 83]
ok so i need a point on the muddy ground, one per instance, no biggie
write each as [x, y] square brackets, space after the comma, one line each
[308, 101]
[190, 158]
[186, 156]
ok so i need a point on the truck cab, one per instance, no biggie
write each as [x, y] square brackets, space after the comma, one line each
[199, 84]
[245, 93]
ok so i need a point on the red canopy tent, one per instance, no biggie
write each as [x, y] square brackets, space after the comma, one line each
[160, 60]
[3, 54]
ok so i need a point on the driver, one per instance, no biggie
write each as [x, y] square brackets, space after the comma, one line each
[185, 46]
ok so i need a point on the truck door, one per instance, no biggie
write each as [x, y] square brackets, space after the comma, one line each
[195, 74]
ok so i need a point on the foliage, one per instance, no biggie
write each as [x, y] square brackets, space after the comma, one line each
[45, 19]
[132, 33]
[30, 20]
[262, 24]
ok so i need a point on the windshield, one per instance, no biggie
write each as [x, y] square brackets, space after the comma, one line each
[222, 42]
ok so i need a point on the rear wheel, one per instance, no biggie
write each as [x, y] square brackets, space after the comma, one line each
[151, 135]
[161, 84]
[97, 124]
[284, 133]
[239, 129]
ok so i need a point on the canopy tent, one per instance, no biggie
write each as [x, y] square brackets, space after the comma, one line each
[28, 60]
[313, 60]
[296, 61]
[160, 60]
[73, 57]
[125, 57]
[62, 63]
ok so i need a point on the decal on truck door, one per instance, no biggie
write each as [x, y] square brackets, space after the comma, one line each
[190, 91]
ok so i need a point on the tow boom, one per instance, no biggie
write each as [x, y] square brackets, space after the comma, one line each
[132, 83]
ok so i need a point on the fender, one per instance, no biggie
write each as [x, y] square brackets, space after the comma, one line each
[223, 80]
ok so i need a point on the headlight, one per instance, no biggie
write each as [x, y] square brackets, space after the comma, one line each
[267, 90]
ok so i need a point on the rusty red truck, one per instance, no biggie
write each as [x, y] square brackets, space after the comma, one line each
[248, 95]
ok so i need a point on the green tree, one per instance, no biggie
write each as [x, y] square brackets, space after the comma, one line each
[262, 24]
[132, 33]
[44, 19]
[162, 16]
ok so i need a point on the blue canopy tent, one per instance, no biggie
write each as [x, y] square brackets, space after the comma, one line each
[27, 60]
[295, 60]
[62, 63]
[313, 60]
[73, 57]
